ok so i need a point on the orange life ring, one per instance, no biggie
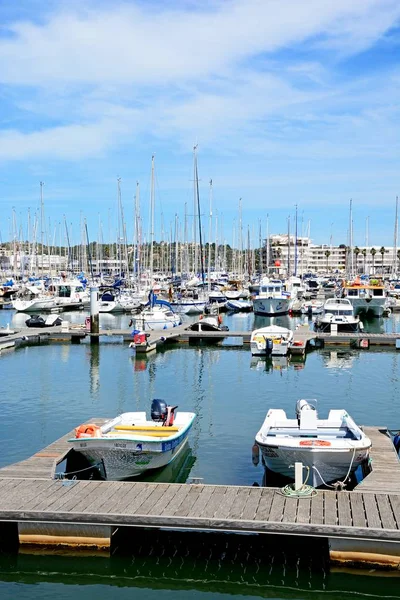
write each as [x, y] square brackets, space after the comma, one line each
[89, 430]
[200, 317]
[310, 443]
[219, 319]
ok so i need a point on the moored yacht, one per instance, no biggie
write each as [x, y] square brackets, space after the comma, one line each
[338, 312]
[366, 299]
[272, 299]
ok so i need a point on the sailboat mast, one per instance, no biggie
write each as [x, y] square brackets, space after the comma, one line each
[152, 222]
[41, 222]
[209, 238]
[196, 176]
[295, 245]
[395, 237]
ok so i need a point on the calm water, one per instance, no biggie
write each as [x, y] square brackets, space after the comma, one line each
[47, 390]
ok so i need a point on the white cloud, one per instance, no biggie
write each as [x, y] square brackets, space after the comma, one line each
[130, 43]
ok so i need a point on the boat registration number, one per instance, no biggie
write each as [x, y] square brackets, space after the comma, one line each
[270, 452]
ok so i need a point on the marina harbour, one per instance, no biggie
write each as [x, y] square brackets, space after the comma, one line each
[66, 384]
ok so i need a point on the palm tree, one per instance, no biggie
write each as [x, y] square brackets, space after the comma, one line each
[364, 253]
[382, 251]
[357, 252]
[373, 252]
[327, 254]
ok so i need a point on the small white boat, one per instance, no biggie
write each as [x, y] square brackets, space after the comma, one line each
[157, 318]
[38, 304]
[239, 305]
[339, 313]
[131, 444]
[330, 449]
[271, 341]
[312, 307]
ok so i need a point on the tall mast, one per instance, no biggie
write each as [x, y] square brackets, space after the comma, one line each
[196, 177]
[240, 241]
[267, 265]
[351, 237]
[288, 240]
[295, 245]
[41, 222]
[395, 238]
[195, 207]
[209, 238]
[151, 221]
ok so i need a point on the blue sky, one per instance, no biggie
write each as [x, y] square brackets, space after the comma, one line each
[289, 102]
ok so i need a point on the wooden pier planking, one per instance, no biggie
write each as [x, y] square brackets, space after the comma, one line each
[42, 465]
[385, 463]
[265, 510]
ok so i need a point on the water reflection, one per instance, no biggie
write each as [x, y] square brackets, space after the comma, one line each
[339, 359]
[153, 565]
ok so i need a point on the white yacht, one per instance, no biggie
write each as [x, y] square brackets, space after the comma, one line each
[366, 298]
[157, 316]
[338, 312]
[330, 449]
[272, 299]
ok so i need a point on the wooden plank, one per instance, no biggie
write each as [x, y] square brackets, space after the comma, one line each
[87, 499]
[228, 501]
[303, 510]
[277, 506]
[186, 505]
[157, 491]
[330, 508]
[131, 500]
[290, 510]
[165, 499]
[47, 501]
[203, 498]
[385, 511]
[20, 497]
[344, 512]
[214, 502]
[176, 501]
[395, 504]
[371, 511]
[6, 485]
[236, 510]
[105, 496]
[264, 506]
[71, 497]
[252, 504]
[357, 510]
[317, 508]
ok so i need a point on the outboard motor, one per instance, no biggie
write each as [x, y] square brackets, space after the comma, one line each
[303, 405]
[161, 412]
[269, 344]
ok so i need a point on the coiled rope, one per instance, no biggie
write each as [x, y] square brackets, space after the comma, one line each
[305, 491]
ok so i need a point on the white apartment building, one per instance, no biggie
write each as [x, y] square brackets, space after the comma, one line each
[306, 257]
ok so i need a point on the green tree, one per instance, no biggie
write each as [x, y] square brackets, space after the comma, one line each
[364, 253]
[373, 253]
[382, 251]
[356, 253]
[327, 254]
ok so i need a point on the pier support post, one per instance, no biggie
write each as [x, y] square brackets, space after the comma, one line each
[9, 539]
[94, 315]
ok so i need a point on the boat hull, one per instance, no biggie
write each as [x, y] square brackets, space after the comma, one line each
[123, 459]
[373, 307]
[325, 465]
[271, 306]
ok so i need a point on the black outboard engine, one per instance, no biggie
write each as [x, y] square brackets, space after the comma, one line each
[269, 344]
[159, 410]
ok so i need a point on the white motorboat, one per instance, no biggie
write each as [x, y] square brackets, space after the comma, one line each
[38, 304]
[312, 307]
[272, 299]
[131, 444]
[239, 305]
[69, 291]
[331, 449]
[271, 341]
[366, 299]
[339, 313]
[189, 306]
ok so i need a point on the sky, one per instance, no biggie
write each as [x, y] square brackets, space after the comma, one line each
[289, 103]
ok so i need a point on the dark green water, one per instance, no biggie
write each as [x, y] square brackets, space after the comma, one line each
[47, 390]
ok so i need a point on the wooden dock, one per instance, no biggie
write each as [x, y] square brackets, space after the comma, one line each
[384, 465]
[40, 509]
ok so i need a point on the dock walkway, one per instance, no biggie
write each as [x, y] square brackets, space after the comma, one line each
[29, 494]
